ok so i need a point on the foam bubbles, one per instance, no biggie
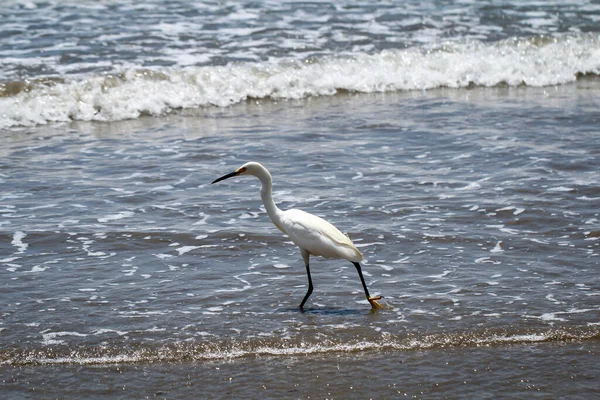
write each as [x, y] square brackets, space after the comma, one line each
[186, 249]
[17, 241]
[134, 92]
[51, 338]
[116, 217]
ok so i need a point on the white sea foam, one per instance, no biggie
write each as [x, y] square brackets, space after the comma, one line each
[186, 249]
[163, 256]
[442, 275]
[104, 331]
[551, 317]
[37, 268]
[135, 92]
[17, 241]
[9, 259]
[246, 286]
[470, 186]
[115, 217]
[282, 347]
[486, 260]
[50, 338]
[561, 189]
[497, 248]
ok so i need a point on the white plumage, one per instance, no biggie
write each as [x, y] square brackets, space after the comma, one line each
[312, 234]
[318, 236]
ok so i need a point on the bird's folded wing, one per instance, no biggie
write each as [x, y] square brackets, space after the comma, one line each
[319, 237]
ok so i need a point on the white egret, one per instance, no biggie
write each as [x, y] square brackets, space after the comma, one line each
[313, 235]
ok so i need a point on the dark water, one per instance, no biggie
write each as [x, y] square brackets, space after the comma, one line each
[125, 274]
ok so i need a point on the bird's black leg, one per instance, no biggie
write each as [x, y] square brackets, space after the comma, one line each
[372, 300]
[306, 258]
[362, 279]
[310, 287]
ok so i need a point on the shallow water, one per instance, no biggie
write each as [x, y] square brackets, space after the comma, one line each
[125, 273]
[476, 214]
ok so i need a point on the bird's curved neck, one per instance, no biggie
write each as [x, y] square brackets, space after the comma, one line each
[266, 194]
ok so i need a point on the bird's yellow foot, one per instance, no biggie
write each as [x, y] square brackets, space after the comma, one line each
[374, 304]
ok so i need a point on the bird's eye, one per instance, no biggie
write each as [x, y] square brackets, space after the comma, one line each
[241, 170]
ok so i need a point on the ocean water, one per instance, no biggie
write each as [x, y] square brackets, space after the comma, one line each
[457, 143]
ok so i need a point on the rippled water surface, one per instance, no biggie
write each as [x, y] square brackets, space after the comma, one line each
[476, 211]
[43, 38]
[457, 144]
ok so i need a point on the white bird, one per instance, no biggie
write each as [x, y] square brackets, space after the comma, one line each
[313, 235]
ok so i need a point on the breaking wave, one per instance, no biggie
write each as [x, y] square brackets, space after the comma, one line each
[218, 350]
[536, 61]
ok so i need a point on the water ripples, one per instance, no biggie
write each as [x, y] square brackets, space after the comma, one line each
[116, 228]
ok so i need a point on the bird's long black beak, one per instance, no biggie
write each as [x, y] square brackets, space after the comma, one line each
[229, 175]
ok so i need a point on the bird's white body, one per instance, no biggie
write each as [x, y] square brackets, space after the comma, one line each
[317, 236]
[312, 234]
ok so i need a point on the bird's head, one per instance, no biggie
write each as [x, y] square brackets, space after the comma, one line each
[250, 168]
